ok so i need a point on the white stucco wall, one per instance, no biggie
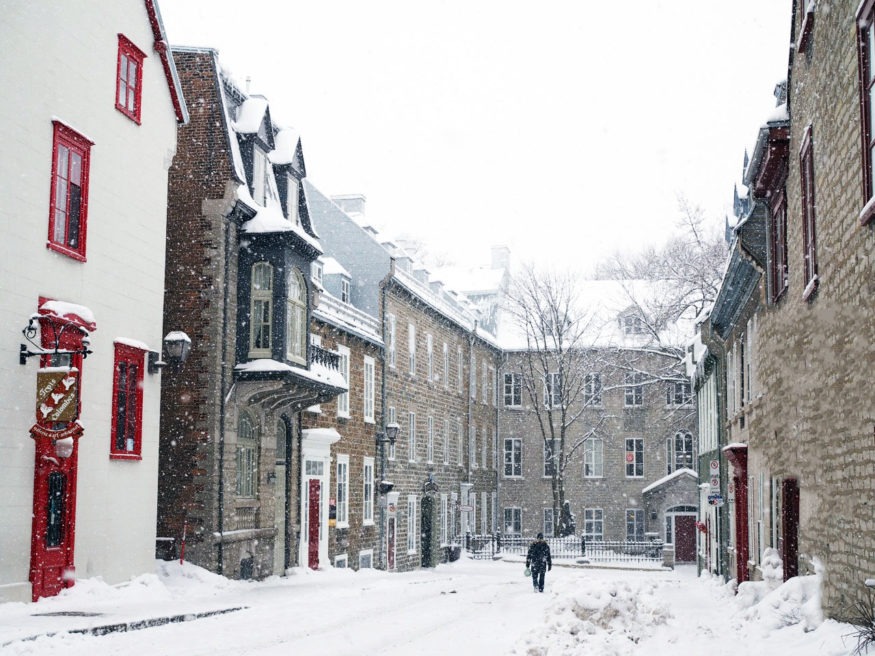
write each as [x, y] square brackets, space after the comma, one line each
[60, 63]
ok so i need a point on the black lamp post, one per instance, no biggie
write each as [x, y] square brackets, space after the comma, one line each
[389, 435]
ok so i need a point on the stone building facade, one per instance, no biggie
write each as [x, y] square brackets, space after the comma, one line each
[803, 455]
[631, 451]
[235, 465]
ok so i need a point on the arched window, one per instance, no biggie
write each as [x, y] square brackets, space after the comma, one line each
[296, 318]
[261, 310]
[247, 457]
[679, 452]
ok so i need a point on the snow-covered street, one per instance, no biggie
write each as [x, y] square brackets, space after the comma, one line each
[468, 607]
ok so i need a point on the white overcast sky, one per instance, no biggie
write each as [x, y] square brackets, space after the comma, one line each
[564, 129]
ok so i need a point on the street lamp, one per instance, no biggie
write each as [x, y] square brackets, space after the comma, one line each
[389, 435]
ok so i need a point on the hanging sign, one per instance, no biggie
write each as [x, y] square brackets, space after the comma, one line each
[57, 395]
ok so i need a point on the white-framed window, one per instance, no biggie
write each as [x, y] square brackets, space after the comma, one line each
[634, 390]
[634, 457]
[368, 392]
[411, 349]
[594, 458]
[392, 419]
[366, 559]
[678, 392]
[594, 524]
[247, 457]
[411, 436]
[453, 514]
[493, 385]
[368, 491]
[460, 442]
[548, 521]
[679, 452]
[446, 353]
[446, 441]
[513, 457]
[552, 390]
[632, 325]
[472, 376]
[634, 524]
[317, 271]
[296, 317]
[484, 451]
[342, 499]
[549, 457]
[592, 389]
[444, 519]
[344, 290]
[343, 363]
[429, 439]
[391, 340]
[484, 384]
[513, 521]
[341, 561]
[472, 446]
[261, 310]
[292, 202]
[429, 357]
[460, 369]
[411, 524]
[513, 389]
[494, 444]
[263, 182]
[484, 514]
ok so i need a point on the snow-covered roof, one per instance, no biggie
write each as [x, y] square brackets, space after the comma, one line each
[270, 219]
[677, 473]
[317, 371]
[285, 146]
[250, 115]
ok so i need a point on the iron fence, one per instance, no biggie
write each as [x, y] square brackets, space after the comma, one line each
[496, 545]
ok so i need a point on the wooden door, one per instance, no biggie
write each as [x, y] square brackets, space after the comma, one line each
[314, 489]
[684, 538]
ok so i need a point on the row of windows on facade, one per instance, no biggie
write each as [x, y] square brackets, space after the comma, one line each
[778, 280]
[487, 372]
[679, 454]
[593, 523]
[676, 392]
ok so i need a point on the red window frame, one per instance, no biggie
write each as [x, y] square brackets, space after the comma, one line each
[68, 204]
[778, 248]
[127, 403]
[809, 233]
[129, 79]
[866, 74]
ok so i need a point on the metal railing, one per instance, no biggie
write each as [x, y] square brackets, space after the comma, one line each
[493, 546]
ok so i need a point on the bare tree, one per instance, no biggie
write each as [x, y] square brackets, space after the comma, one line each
[556, 368]
[685, 273]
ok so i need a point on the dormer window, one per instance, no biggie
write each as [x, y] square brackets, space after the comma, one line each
[292, 200]
[316, 271]
[632, 325]
[263, 182]
[344, 290]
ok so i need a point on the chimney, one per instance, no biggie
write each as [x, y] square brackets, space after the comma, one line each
[501, 257]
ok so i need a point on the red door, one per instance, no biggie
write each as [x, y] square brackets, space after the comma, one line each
[684, 538]
[314, 488]
[54, 519]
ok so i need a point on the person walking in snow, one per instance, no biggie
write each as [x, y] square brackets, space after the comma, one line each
[539, 561]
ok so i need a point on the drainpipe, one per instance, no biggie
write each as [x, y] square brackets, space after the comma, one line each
[224, 395]
[381, 451]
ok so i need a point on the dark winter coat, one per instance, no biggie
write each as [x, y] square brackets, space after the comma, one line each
[539, 556]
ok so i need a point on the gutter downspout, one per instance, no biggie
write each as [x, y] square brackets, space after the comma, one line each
[381, 450]
[225, 396]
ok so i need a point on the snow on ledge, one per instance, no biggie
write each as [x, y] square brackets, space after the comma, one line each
[677, 473]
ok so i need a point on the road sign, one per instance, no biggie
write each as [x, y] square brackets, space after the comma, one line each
[715, 482]
[715, 499]
[715, 468]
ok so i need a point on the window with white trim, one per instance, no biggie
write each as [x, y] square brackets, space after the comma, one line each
[445, 508]
[296, 318]
[634, 524]
[513, 521]
[411, 524]
[411, 349]
[343, 365]
[368, 391]
[261, 310]
[246, 459]
[446, 353]
[548, 522]
[391, 341]
[593, 458]
[429, 439]
[633, 391]
[368, 491]
[594, 524]
[446, 441]
[342, 499]
[634, 457]
[411, 437]
[592, 389]
[429, 358]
